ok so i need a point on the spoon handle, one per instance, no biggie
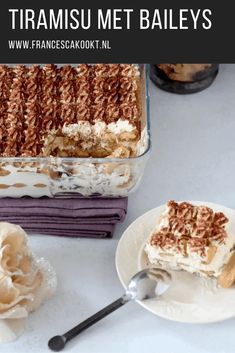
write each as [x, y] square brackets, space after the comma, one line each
[95, 318]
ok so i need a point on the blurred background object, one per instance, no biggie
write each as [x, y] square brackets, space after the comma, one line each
[183, 78]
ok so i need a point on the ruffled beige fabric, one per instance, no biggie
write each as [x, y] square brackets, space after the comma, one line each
[20, 280]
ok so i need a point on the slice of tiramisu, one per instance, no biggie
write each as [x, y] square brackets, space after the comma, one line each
[194, 239]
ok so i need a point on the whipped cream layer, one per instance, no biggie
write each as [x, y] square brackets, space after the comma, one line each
[196, 240]
[98, 139]
[193, 263]
[85, 128]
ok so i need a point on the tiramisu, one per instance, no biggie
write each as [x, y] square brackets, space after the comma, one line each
[183, 72]
[67, 111]
[194, 239]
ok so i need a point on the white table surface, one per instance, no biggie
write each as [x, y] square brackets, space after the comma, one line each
[193, 158]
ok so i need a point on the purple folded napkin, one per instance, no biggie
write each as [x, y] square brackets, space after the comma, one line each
[73, 217]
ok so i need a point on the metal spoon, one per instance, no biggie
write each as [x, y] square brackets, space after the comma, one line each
[146, 284]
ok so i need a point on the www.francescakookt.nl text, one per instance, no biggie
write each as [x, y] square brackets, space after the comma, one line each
[83, 44]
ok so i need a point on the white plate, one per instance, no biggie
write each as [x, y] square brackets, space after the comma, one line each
[190, 298]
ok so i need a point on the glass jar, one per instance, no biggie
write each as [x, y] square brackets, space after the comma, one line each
[183, 78]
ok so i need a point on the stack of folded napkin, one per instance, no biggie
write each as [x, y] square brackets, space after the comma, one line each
[72, 217]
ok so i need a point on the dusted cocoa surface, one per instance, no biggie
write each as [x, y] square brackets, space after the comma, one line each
[35, 100]
[192, 227]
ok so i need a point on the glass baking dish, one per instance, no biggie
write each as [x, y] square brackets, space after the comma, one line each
[63, 176]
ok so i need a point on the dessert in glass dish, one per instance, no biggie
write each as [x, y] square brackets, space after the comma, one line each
[183, 78]
[194, 239]
[83, 111]
[72, 128]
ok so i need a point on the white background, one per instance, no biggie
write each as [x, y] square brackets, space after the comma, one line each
[193, 158]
